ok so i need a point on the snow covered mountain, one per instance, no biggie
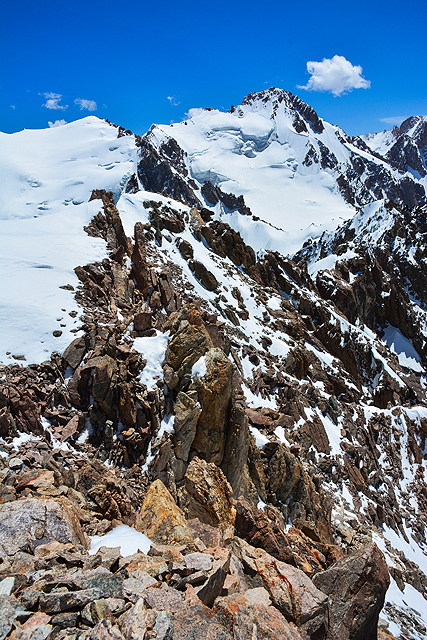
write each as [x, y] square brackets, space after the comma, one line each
[404, 147]
[245, 288]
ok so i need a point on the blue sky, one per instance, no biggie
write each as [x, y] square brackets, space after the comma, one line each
[136, 63]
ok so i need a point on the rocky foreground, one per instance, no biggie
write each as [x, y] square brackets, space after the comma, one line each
[200, 578]
[236, 499]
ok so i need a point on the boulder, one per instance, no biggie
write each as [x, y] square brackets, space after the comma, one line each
[255, 527]
[240, 612]
[290, 590]
[73, 354]
[25, 524]
[211, 589]
[203, 275]
[356, 586]
[161, 519]
[104, 381]
[210, 495]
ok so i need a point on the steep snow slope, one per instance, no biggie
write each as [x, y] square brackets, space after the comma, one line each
[48, 176]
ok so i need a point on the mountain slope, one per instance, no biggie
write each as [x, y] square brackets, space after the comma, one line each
[301, 377]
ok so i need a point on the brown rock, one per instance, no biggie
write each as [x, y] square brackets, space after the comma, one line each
[255, 527]
[291, 591]
[187, 412]
[36, 627]
[239, 614]
[74, 353]
[203, 275]
[356, 586]
[161, 519]
[210, 495]
[140, 268]
[214, 392]
[209, 591]
[104, 380]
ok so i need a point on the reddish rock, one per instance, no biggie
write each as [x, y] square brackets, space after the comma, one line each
[356, 586]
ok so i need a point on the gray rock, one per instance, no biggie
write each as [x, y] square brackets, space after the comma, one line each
[6, 586]
[27, 523]
[55, 602]
[136, 584]
[7, 616]
[15, 464]
[198, 561]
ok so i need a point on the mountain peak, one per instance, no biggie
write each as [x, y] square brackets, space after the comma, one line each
[274, 99]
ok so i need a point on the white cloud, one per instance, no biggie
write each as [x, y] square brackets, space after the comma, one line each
[52, 100]
[336, 75]
[173, 101]
[89, 105]
[57, 123]
[394, 119]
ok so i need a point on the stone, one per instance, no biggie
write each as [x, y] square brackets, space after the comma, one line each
[290, 590]
[189, 342]
[211, 589]
[249, 620]
[74, 353]
[136, 584]
[356, 586]
[15, 464]
[6, 586]
[143, 319]
[7, 616]
[132, 622]
[210, 495]
[186, 250]
[255, 527]
[214, 394]
[162, 597]
[161, 519]
[37, 627]
[208, 534]
[203, 275]
[72, 427]
[104, 380]
[187, 412]
[140, 269]
[104, 630]
[66, 619]
[56, 602]
[24, 524]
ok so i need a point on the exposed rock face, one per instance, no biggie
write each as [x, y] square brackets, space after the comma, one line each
[290, 590]
[210, 495]
[160, 518]
[214, 395]
[356, 587]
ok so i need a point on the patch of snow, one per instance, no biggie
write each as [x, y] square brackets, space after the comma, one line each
[260, 439]
[153, 351]
[199, 368]
[403, 348]
[129, 541]
[257, 401]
